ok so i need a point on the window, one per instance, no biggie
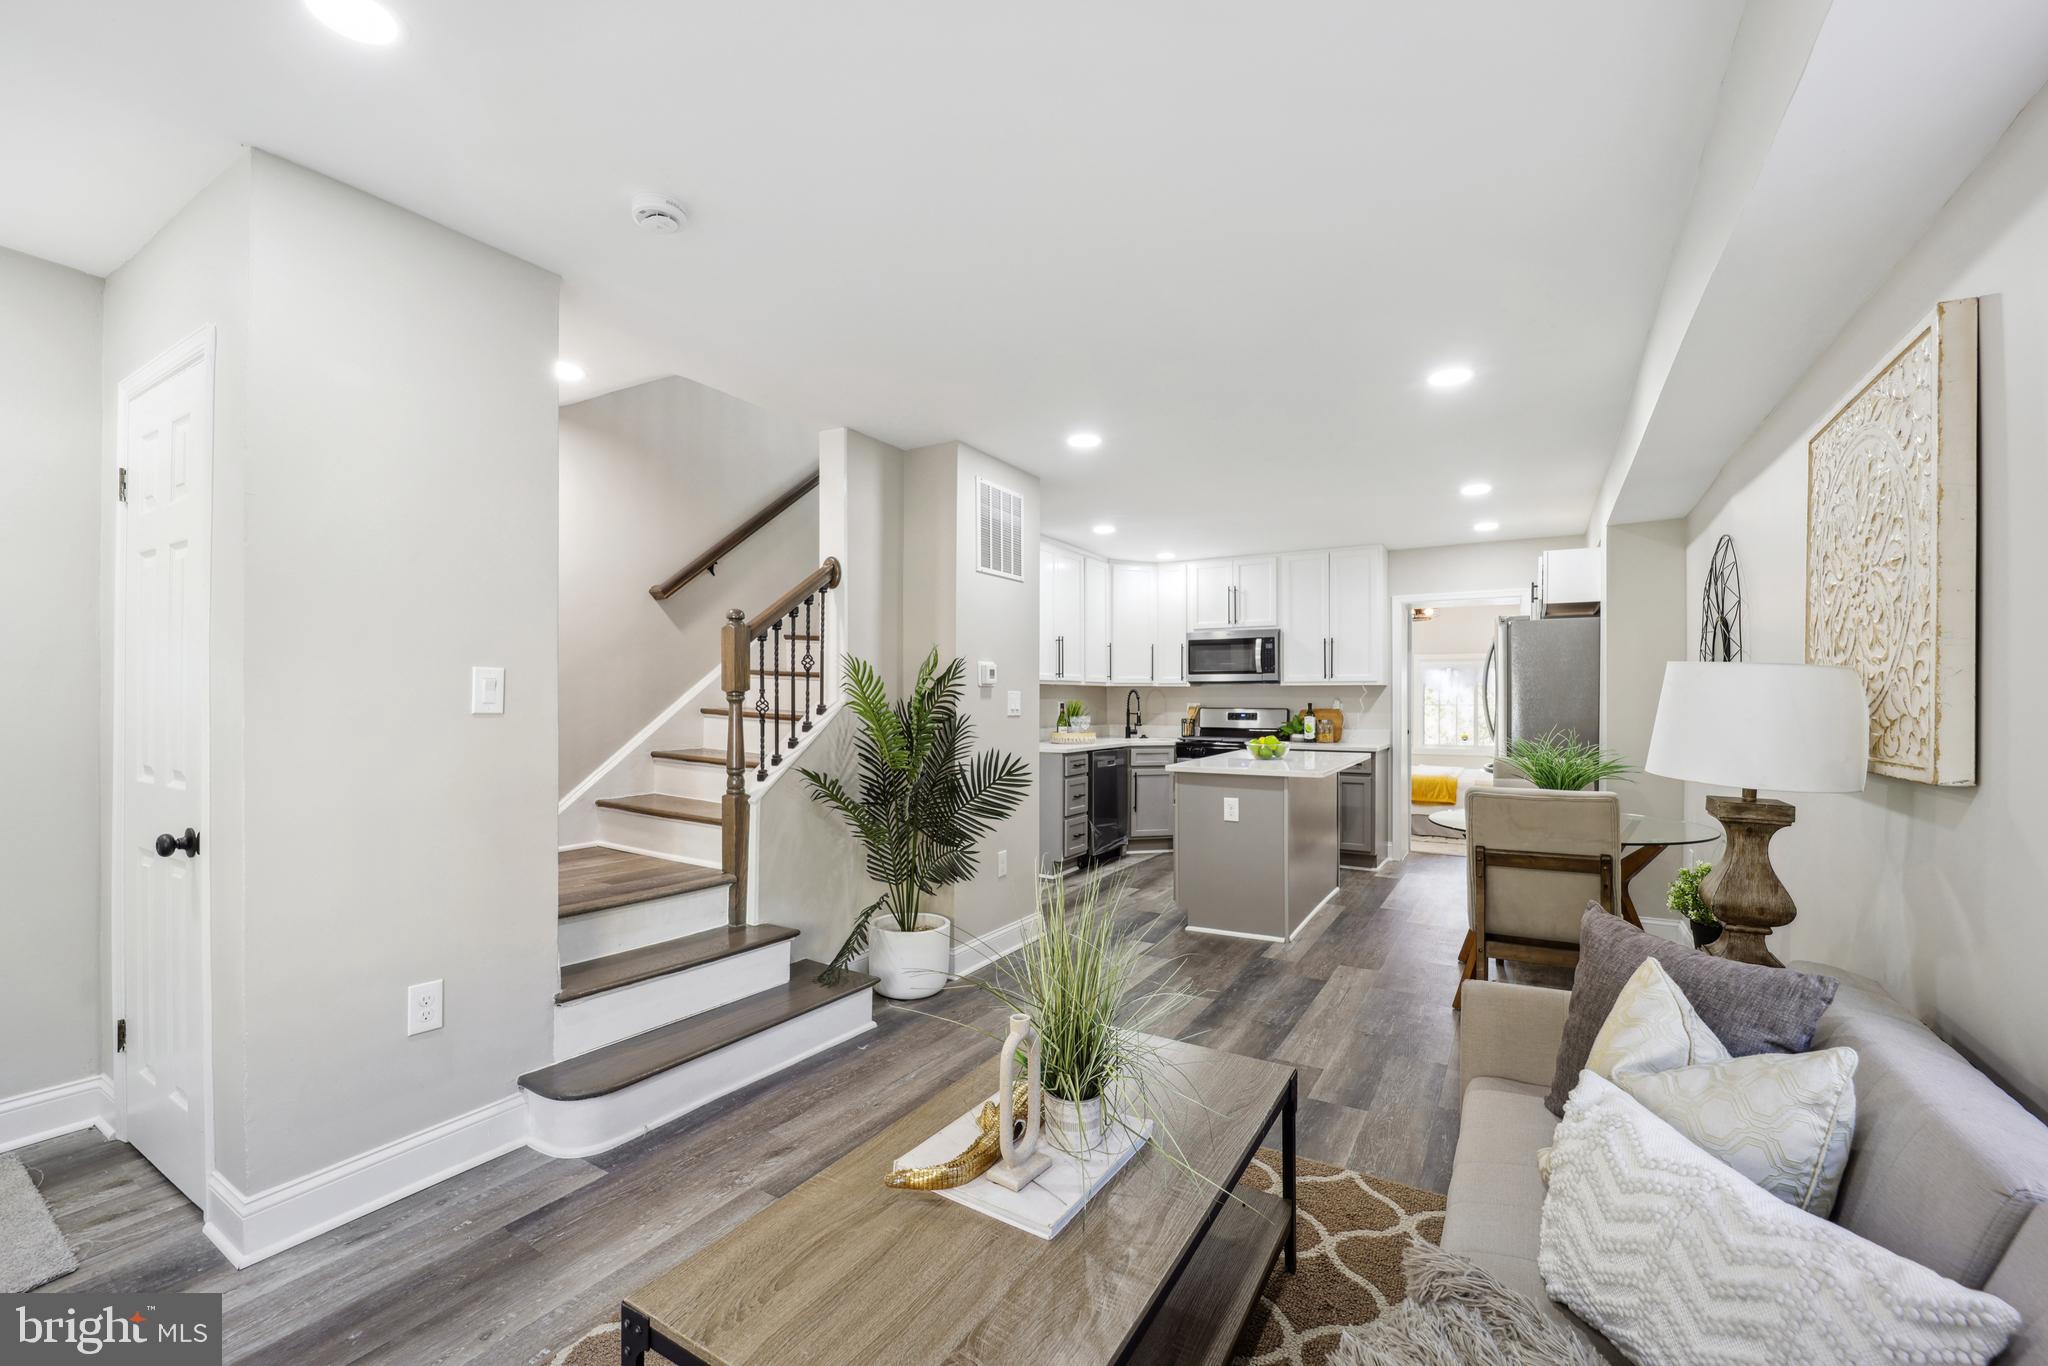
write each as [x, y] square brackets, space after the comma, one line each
[1448, 713]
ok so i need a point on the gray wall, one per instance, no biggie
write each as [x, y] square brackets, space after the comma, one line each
[385, 518]
[651, 476]
[1935, 892]
[50, 661]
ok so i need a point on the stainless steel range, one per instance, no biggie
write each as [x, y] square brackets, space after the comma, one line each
[1219, 730]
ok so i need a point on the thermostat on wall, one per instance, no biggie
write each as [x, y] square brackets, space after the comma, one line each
[985, 673]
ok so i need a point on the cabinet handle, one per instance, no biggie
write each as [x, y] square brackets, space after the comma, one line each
[1152, 663]
[1112, 660]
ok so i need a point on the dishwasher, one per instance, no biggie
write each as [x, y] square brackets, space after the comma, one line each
[1109, 803]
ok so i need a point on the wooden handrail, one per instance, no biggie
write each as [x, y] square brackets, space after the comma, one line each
[708, 561]
[825, 576]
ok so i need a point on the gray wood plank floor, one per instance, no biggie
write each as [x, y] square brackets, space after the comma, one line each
[512, 1261]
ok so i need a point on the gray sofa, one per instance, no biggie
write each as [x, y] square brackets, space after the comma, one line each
[1945, 1168]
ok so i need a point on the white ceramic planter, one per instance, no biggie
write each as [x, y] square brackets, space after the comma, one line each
[911, 964]
[1074, 1128]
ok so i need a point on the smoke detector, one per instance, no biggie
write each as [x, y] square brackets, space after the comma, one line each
[659, 214]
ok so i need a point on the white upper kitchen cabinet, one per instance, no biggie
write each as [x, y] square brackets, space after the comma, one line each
[1170, 633]
[1060, 614]
[1570, 582]
[1095, 624]
[1239, 592]
[1133, 622]
[1305, 617]
[1258, 590]
[1359, 615]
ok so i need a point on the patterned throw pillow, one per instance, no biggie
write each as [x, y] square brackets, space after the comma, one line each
[1651, 1028]
[1678, 1260]
[1784, 1120]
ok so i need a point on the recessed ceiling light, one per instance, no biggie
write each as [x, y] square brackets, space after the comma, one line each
[1084, 441]
[1165, 555]
[1104, 528]
[1450, 377]
[1478, 488]
[568, 371]
[365, 21]
[1486, 526]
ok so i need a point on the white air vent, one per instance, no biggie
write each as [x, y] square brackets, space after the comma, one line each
[1000, 545]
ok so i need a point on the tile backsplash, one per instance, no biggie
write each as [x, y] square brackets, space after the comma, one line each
[1163, 708]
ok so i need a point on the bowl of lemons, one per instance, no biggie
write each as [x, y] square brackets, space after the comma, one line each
[1268, 747]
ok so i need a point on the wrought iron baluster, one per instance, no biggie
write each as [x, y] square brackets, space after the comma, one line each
[808, 662]
[776, 653]
[792, 678]
[761, 707]
[822, 614]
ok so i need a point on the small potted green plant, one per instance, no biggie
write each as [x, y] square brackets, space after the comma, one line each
[1562, 762]
[1073, 716]
[1685, 898]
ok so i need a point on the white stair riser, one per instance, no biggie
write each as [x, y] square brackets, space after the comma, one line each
[578, 1128]
[681, 779]
[689, 840]
[594, 1021]
[597, 933]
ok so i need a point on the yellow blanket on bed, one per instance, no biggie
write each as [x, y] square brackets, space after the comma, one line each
[1434, 789]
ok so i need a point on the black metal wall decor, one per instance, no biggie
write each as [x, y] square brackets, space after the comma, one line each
[1721, 605]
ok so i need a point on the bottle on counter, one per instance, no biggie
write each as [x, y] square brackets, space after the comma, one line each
[1308, 719]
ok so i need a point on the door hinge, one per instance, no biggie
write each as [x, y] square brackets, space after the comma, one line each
[122, 494]
[120, 1036]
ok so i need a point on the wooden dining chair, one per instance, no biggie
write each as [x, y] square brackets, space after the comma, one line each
[1534, 859]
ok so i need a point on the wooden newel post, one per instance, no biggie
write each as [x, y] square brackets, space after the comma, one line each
[733, 678]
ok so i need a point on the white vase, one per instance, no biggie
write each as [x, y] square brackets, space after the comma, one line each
[911, 964]
[1074, 1127]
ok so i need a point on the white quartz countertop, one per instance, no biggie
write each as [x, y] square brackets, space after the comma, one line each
[1108, 742]
[1307, 761]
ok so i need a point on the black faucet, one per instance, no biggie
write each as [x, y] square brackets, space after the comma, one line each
[1131, 717]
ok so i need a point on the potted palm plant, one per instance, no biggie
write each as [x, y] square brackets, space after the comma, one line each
[921, 805]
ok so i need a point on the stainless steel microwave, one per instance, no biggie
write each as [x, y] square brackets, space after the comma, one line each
[1236, 654]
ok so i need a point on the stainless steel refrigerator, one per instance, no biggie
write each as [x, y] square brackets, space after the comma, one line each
[1543, 674]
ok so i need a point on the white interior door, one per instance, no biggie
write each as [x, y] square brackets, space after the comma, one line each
[166, 449]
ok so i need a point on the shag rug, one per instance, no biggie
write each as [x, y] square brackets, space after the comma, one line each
[32, 1251]
[1353, 1229]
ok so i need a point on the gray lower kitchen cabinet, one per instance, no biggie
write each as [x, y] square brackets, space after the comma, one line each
[1361, 814]
[1151, 803]
[1062, 810]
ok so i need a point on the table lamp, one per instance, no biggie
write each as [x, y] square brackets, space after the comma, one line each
[1786, 727]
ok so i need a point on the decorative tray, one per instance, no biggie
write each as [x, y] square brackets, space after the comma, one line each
[1048, 1204]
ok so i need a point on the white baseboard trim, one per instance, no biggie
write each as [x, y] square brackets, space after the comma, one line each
[981, 950]
[1332, 896]
[1236, 934]
[65, 1108]
[248, 1228]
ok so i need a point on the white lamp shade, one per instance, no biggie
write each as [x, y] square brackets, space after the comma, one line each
[1780, 727]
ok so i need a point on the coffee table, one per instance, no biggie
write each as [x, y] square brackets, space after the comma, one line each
[1160, 1266]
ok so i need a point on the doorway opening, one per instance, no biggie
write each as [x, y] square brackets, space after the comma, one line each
[1445, 704]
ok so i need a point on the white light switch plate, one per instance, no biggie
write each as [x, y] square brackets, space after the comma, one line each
[1230, 808]
[1015, 706]
[423, 1007]
[486, 691]
[1002, 863]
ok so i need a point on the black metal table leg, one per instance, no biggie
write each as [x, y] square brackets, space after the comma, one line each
[632, 1338]
[1287, 1163]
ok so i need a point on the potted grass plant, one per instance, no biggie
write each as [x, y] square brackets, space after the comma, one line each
[921, 802]
[1562, 762]
[1083, 978]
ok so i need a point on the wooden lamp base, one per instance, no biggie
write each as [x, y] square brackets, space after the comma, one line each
[1743, 891]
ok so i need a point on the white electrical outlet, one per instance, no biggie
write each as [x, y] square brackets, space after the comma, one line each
[1016, 703]
[1230, 808]
[1002, 863]
[423, 1007]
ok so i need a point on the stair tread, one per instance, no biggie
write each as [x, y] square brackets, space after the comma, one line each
[666, 807]
[749, 713]
[599, 879]
[701, 756]
[619, 1065]
[593, 975]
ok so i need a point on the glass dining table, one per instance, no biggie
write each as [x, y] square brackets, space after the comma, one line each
[1642, 839]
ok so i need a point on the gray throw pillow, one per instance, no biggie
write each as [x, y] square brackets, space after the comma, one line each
[1751, 1009]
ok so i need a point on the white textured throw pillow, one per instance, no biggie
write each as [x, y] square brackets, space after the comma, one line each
[1681, 1261]
[1652, 1028]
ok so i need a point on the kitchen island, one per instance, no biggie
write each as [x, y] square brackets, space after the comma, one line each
[1255, 841]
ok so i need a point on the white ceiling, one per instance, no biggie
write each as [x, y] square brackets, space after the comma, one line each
[1231, 238]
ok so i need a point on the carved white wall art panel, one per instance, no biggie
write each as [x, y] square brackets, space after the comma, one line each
[1891, 550]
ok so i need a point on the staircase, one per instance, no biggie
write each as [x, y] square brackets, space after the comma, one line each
[669, 997]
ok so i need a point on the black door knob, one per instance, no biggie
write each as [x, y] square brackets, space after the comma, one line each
[166, 845]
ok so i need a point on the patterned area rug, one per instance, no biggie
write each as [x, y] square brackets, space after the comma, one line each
[1352, 1230]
